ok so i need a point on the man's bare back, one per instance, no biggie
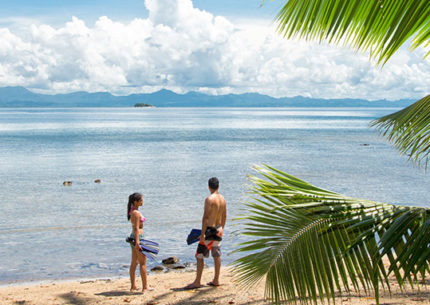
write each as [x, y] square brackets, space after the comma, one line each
[215, 210]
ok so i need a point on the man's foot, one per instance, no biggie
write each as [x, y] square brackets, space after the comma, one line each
[133, 289]
[147, 289]
[213, 284]
[192, 286]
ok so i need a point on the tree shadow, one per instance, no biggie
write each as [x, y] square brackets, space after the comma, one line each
[118, 293]
[201, 296]
[74, 299]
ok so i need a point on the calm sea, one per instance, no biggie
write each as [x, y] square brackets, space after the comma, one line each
[50, 231]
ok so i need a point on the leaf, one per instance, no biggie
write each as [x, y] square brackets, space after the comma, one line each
[309, 243]
[409, 130]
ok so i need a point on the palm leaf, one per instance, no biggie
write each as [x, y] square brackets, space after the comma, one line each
[379, 27]
[409, 130]
[375, 26]
[308, 243]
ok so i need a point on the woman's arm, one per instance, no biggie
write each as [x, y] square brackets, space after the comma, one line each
[135, 218]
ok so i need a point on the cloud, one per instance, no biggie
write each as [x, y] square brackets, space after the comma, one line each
[182, 48]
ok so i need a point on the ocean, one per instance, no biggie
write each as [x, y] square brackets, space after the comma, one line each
[49, 231]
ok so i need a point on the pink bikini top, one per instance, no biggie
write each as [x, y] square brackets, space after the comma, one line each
[142, 219]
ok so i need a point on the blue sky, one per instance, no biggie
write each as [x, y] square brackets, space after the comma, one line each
[58, 11]
[209, 46]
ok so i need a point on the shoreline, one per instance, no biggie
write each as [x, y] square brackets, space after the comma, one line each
[189, 267]
[167, 289]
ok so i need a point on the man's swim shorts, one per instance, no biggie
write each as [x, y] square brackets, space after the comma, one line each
[213, 238]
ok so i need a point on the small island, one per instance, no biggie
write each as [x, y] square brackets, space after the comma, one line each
[143, 105]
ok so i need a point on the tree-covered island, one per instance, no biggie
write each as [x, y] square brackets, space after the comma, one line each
[143, 105]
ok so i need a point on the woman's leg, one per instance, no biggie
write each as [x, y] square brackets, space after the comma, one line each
[133, 267]
[142, 261]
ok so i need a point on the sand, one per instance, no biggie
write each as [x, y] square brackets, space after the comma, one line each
[167, 290]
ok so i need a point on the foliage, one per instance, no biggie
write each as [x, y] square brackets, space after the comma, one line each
[409, 130]
[143, 105]
[379, 27]
[309, 242]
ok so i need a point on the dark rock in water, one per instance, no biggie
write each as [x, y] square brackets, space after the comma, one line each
[177, 266]
[365, 144]
[67, 183]
[97, 181]
[170, 260]
[158, 268]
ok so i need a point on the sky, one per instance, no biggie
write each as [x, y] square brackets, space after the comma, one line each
[208, 46]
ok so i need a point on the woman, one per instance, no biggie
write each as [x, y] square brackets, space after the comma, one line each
[135, 200]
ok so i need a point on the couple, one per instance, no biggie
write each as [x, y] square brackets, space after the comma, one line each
[213, 223]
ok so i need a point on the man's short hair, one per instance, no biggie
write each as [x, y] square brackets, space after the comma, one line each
[213, 183]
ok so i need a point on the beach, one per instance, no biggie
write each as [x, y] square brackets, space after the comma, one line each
[167, 289]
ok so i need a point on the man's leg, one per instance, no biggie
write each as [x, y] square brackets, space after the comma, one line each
[200, 265]
[197, 281]
[202, 251]
[216, 254]
[217, 263]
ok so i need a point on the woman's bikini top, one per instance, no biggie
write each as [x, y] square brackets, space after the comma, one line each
[142, 219]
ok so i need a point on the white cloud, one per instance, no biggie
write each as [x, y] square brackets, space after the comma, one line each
[182, 48]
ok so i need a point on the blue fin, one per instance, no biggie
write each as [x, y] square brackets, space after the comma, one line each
[149, 246]
[193, 236]
[148, 254]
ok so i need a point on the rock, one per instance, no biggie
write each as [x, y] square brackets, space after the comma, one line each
[97, 181]
[170, 260]
[158, 268]
[365, 144]
[177, 266]
[67, 183]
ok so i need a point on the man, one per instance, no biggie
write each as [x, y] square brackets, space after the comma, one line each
[213, 223]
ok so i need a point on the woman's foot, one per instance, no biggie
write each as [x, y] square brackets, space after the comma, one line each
[133, 289]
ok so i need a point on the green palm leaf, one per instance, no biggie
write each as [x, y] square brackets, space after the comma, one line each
[409, 130]
[378, 26]
[308, 243]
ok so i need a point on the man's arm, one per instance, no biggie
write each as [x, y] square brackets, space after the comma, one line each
[224, 215]
[205, 219]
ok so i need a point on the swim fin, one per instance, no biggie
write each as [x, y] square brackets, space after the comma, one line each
[194, 236]
[149, 248]
[148, 254]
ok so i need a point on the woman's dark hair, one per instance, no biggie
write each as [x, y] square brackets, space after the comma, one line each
[131, 199]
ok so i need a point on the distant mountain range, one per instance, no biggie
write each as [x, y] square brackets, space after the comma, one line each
[21, 97]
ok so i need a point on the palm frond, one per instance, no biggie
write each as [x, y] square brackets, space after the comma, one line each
[309, 243]
[378, 26]
[409, 130]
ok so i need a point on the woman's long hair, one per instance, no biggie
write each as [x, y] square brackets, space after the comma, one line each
[131, 199]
